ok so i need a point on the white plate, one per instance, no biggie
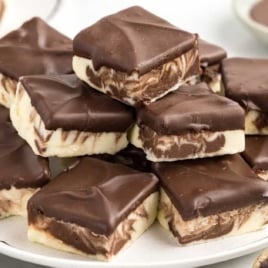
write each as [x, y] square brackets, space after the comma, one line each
[16, 12]
[242, 9]
[154, 249]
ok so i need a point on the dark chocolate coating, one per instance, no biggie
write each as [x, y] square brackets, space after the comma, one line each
[246, 81]
[63, 101]
[256, 152]
[19, 166]
[191, 109]
[4, 114]
[259, 13]
[210, 54]
[35, 48]
[94, 194]
[210, 186]
[264, 264]
[132, 40]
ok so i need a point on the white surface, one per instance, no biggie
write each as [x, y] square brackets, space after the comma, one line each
[214, 21]
[242, 9]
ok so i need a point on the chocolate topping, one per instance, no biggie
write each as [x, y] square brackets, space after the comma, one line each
[35, 48]
[94, 194]
[63, 101]
[191, 109]
[132, 40]
[264, 264]
[210, 54]
[246, 81]
[210, 186]
[256, 152]
[4, 114]
[259, 13]
[19, 166]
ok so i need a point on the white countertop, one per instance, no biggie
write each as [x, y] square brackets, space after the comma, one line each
[213, 20]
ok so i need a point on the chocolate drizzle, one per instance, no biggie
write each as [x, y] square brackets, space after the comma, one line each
[94, 194]
[4, 114]
[259, 14]
[191, 109]
[210, 186]
[35, 48]
[19, 166]
[132, 40]
[63, 101]
[246, 81]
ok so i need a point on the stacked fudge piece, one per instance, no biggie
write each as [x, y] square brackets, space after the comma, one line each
[137, 79]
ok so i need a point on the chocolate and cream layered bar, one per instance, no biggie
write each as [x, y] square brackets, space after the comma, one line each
[210, 198]
[256, 155]
[22, 172]
[34, 48]
[189, 123]
[135, 56]
[246, 82]
[211, 56]
[59, 115]
[95, 209]
[262, 260]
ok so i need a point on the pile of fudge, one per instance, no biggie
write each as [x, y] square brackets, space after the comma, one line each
[144, 121]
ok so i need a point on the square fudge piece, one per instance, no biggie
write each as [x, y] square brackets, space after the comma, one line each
[95, 209]
[135, 56]
[22, 172]
[211, 56]
[59, 115]
[256, 154]
[246, 82]
[210, 198]
[189, 123]
[34, 48]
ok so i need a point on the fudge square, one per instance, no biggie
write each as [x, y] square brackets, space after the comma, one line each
[211, 56]
[246, 81]
[256, 155]
[135, 56]
[95, 209]
[192, 122]
[210, 198]
[59, 115]
[22, 172]
[34, 48]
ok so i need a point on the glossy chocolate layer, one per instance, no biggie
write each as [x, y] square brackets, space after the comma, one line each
[246, 81]
[19, 166]
[4, 114]
[191, 109]
[63, 101]
[132, 40]
[259, 14]
[256, 152]
[210, 186]
[210, 54]
[94, 194]
[35, 48]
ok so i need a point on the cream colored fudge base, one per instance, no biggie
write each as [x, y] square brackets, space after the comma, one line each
[133, 88]
[261, 258]
[234, 142]
[7, 90]
[215, 84]
[13, 202]
[235, 222]
[58, 142]
[142, 218]
[250, 125]
[263, 174]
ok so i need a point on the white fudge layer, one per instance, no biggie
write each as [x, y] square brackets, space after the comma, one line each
[133, 88]
[160, 148]
[263, 174]
[59, 142]
[201, 229]
[141, 219]
[252, 127]
[13, 201]
[7, 90]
